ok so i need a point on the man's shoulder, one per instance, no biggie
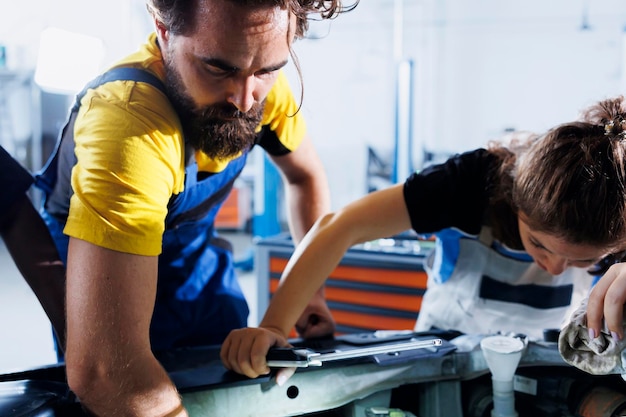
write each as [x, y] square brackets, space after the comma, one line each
[144, 67]
[147, 56]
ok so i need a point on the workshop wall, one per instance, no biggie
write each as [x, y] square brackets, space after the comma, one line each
[481, 67]
[121, 24]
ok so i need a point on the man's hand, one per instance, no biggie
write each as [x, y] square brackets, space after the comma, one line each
[607, 300]
[244, 350]
[316, 320]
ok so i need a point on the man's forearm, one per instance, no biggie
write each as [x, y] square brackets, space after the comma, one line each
[306, 205]
[110, 365]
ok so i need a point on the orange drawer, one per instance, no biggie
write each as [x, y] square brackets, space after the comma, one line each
[235, 211]
[379, 299]
[409, 279]
[388, 300]
[372, 321]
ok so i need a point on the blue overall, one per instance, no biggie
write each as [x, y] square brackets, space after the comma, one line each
[198, 300]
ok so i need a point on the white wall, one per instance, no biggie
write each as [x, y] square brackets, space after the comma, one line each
[348, 92]
[525, 65]
[121, 24]
[480, 67]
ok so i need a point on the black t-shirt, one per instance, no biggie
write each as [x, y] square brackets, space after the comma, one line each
[455, 193]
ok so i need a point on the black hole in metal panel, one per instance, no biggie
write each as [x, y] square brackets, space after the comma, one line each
[292, 392]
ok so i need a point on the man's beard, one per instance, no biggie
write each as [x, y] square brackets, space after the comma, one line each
[220, 130]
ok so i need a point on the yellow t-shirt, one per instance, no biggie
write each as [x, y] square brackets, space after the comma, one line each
[131, 157]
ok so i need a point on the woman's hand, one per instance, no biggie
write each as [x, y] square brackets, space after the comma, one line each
[244, 351]
[606, 301]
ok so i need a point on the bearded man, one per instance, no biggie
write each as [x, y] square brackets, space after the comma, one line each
[149, 154]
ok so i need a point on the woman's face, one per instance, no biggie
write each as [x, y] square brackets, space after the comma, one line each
[555, 255]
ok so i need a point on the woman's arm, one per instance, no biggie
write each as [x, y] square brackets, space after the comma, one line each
[377, 215]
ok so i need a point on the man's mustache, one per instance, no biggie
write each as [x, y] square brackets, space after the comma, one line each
[227, 111]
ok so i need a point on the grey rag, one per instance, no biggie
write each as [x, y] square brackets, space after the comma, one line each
[599, 356]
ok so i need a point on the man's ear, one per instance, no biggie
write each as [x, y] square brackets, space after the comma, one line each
[161, 32]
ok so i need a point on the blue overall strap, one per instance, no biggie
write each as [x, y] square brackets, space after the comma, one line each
[45, 178]
[121, 74]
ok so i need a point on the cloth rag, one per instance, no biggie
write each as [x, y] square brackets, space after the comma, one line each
[602, 355]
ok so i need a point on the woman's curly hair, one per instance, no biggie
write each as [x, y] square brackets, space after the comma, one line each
[571, 181]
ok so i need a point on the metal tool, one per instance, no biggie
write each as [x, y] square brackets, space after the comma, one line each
[304, 357]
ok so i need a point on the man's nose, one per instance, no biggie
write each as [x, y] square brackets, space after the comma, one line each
[242, 93]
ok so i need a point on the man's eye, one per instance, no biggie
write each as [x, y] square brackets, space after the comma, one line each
[267, 74]
[217, 71]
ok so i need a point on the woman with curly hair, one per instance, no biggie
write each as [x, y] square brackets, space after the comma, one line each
[518, 228]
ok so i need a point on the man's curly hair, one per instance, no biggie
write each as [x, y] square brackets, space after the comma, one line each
[178, 15]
